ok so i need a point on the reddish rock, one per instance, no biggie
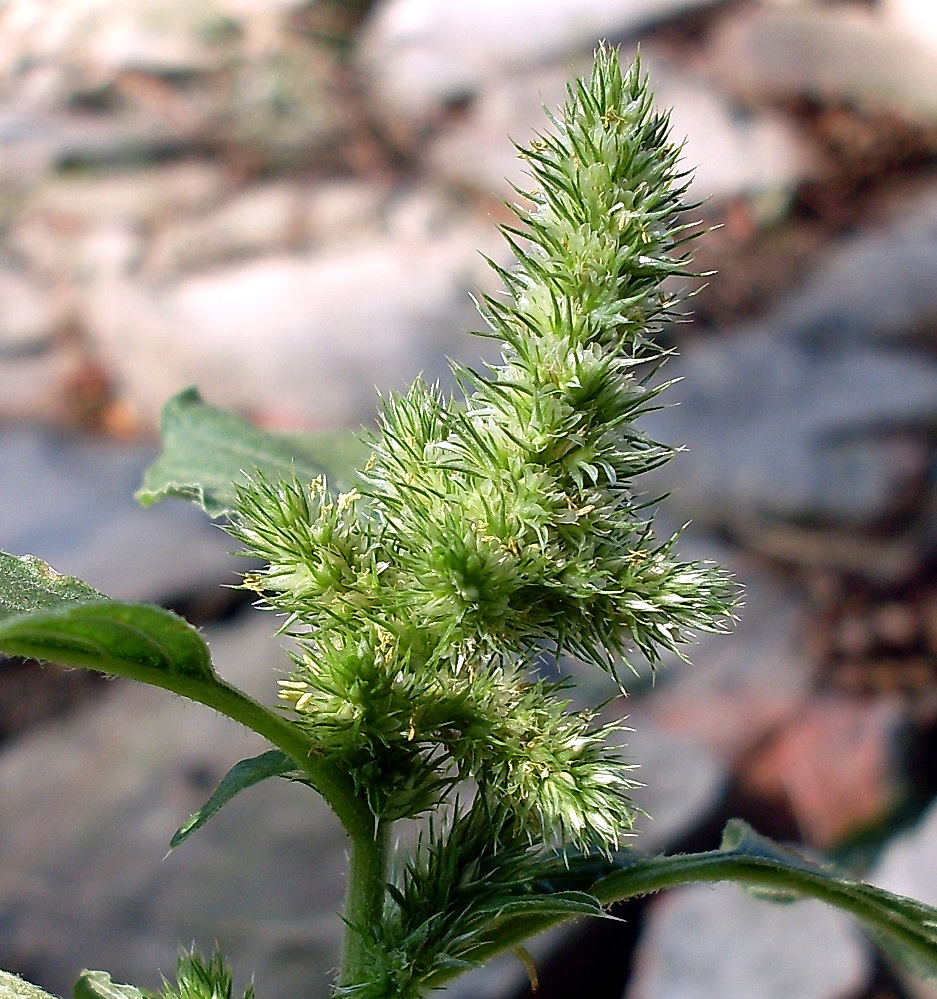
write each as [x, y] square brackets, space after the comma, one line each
[745, 685]
[835, 766]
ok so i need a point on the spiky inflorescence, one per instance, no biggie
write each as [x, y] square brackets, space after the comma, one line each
[197, 978]
[464, 881]
[484, 531]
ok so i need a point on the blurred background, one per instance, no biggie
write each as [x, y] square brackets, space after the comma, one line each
[286, 202]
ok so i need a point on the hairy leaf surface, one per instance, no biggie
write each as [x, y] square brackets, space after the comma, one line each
[14, 987]
[54, 618]
[98, 985]
[28, 584]
[906, 927]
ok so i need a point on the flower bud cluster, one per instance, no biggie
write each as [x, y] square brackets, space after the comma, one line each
[486, 531]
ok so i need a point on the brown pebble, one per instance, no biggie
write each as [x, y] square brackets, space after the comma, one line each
[895, 625]
[852, 636]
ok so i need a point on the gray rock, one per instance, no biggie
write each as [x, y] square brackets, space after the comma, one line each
[737, 688]
[713, 941]
[877, 286]
[842, 54]
[70, 501]
[90, 805]
[420, 54]
[776, 434]
[681, 780]
[819, 417]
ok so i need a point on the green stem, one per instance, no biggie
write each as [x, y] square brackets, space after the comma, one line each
[330, 781]
[364, 900]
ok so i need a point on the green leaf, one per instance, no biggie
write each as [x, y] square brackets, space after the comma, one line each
[563, 904]
[56, 618]
[98, 985]
[242, 775]
[14, 987]
[208, 451]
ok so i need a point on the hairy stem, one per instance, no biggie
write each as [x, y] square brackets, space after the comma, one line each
[364, 900]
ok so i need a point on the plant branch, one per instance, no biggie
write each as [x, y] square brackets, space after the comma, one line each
[332, 783]
[907, 926]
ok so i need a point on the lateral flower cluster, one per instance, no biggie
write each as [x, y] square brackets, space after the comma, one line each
[486, 531]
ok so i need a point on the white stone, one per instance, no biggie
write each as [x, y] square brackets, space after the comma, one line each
[28, 312]
[836, 54]
[100, 38]
[274, 217]
[343, 210]
[732, 152]
[132, 196]
[917, 19]
[420, 53]
[710, 942]
[907, 867]
[296, 339]
[87, 42]
[260, 219]
[153, 36]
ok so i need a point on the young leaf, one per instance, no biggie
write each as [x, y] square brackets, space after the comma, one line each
[98, 985]
[242, 775]
[208, 451]
[906, 928]
[14, 987]
[565, 904]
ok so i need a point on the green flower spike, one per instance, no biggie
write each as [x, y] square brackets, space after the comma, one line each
[489, 530]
